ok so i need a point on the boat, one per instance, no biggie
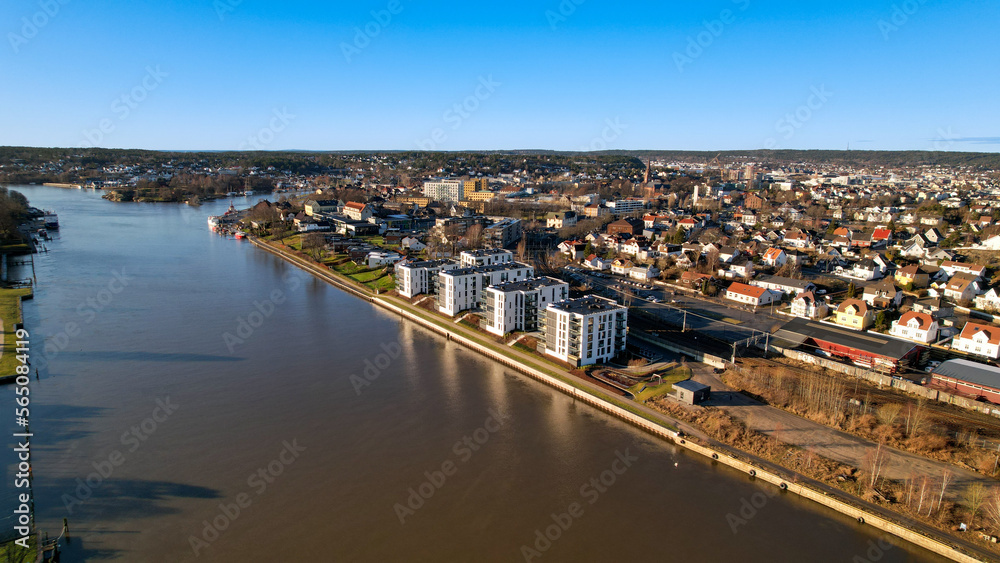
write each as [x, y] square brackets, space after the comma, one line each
[51, 221]
[240, 234]
[213, 223]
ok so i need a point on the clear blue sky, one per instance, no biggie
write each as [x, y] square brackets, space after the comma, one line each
[618, 75]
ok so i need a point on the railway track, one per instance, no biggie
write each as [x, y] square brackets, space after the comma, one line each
[952, 417]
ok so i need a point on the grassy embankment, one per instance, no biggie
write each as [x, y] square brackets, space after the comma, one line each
[10, 313]
[644, 391]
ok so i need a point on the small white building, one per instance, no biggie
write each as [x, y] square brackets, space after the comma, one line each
[379, 258]
[585, 331]
[750, 295]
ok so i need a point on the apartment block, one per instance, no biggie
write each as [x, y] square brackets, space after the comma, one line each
[520, 305]
[461, 289]
[585, 331]
[415, 278]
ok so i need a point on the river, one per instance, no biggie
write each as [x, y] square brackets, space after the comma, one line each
[196, 402]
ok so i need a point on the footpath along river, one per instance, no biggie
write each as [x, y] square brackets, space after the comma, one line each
[195, 402]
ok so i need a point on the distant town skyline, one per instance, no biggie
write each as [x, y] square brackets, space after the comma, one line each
[566, 75]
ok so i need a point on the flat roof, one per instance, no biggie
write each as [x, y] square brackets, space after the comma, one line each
[587, 305]
[870, 342]
[485, 269]
[972, 372]
[528, 284]
[691, 385]
[486, 252]
[427, 264]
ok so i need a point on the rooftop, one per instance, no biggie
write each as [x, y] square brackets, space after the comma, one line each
[587, 305]
[798, 330]
[527, 285]
[972, 372]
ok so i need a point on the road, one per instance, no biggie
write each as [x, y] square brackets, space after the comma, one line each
[722, 321]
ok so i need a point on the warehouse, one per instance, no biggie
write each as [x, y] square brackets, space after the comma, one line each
[964, 377]
[865, 349]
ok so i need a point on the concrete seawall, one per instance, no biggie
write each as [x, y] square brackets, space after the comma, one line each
[840, 502]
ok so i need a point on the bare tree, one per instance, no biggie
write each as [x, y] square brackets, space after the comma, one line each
[874, 462]
[946, 479]
[974, 497]
[916, 418]
[888, 413]
[992, 506]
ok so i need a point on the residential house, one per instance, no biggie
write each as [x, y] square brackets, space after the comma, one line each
[855, 314]
[914, 276]
[916, 326]
[626, 225]
[962, 268]
[744, 270]
[358, 211]
[979, 339]
[989, 301]
[595, 262]
[621, 267]
[807, 306]
[883, 295]
[783, 284]
[962, 287]
[775, 257]
[751, 295]
[644, 273]
[461, 289]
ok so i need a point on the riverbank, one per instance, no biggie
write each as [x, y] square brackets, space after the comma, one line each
[10, 320]
[652, 421]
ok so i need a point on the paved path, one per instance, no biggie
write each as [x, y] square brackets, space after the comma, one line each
[824, 440]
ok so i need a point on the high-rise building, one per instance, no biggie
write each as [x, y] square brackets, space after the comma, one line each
[520, 305]
[445, 190]
[585, 331]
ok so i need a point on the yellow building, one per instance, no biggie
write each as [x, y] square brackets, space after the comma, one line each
[421, 201]
[480, 196]
[477, 185]
[855, 314]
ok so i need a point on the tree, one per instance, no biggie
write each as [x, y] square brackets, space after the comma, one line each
[852, 290]
[974, 497]
[888, 413]
[873, 463]
[881, 322]
[916, 418]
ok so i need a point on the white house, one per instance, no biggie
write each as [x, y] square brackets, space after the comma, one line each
[644, 273]
[412, 243]
[989, 301]
[775, 257]
[379, 258]
[358, 211]
[806, 305]
[595, 262]
[748, 294]
[979, 339]
[915, 326]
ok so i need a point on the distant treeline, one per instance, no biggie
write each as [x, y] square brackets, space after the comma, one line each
[81, 164]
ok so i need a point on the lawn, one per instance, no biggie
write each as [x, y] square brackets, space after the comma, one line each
[644, 391]
[11, 315]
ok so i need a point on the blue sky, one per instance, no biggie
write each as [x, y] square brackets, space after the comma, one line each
[556, 74]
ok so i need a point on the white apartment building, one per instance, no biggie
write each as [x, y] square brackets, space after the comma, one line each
[415, 278]
[445, 190]
[626, 206]
[461, 289]
[519, 305]
[585, 331]
[488, 257]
